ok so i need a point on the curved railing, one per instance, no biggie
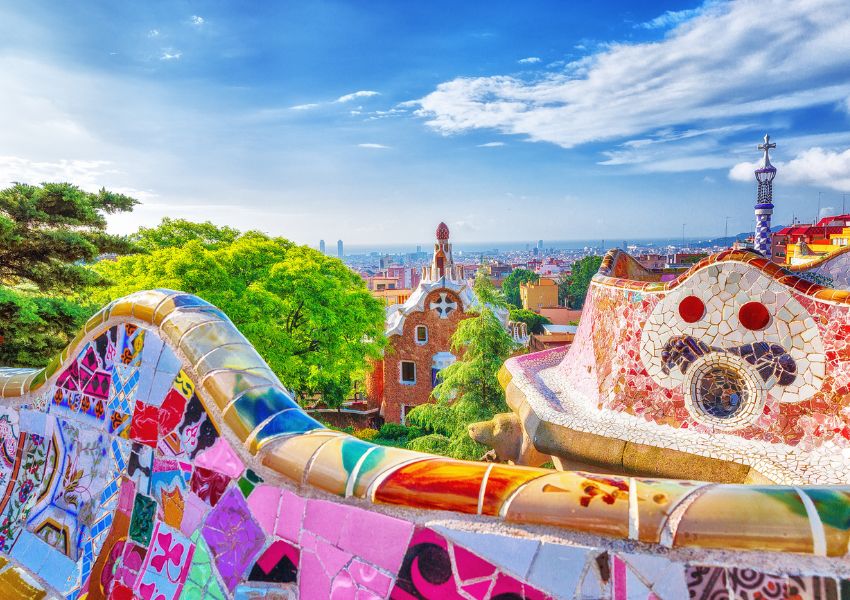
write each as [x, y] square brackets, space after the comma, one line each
[282, 460]
[275, 437]
[618, 269]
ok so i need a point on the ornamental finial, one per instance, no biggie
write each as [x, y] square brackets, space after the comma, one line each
[766, 146]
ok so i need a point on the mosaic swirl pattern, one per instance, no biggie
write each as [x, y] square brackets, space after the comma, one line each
[634, 376]
[159, 458]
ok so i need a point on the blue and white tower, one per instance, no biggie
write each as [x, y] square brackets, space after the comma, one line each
[764, 205]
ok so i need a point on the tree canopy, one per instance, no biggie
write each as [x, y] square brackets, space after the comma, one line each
[510, 286]
[34, 328]
[468, 390]
[174, 233]
[48, 231]
[310, 317]
[47, 234]
[533, 321]
[577, 284]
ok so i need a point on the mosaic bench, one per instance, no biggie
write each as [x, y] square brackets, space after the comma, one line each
[158, 457]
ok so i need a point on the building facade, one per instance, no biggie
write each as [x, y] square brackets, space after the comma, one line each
[801, 243]
[419, 335]
[539, 295]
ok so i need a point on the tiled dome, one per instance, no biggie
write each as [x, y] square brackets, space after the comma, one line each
[442, 231]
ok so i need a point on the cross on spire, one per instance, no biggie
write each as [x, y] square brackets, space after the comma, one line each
[766, 146]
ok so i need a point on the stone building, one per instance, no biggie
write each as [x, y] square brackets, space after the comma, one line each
[419, 333]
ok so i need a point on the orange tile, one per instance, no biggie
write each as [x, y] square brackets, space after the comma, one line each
[437, 484]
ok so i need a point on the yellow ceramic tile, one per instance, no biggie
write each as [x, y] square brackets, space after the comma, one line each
[146, 302]
[123, 307]
[203, 339]
[741, 517]
[656, 500]
[579, 501]
[234, 356]
[16, 585]
[289, 456]
[96, 321]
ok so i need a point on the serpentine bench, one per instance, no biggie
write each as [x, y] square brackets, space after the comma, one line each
[158, 457]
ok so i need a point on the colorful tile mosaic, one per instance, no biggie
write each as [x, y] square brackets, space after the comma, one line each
[141, 467]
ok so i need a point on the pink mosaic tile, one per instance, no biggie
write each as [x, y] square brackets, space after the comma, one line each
[221, 457]
[387, 537]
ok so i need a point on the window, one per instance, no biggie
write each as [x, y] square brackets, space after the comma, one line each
[408, 371]
[421, 334]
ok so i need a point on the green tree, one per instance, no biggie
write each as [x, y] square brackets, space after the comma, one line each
[47, 232]
[174, 233]
[308, 315]
[579, 281]
[533, 321]
[34, 328]
[510, 286]
[469, 390]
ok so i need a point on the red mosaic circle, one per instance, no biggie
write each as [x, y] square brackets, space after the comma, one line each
[754, 316]
[691, 309]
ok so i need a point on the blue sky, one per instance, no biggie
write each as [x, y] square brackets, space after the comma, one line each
[371, 122]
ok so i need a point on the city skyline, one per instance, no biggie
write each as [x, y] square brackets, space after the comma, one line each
[334, 121]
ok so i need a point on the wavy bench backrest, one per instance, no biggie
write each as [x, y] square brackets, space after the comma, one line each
[159, 457]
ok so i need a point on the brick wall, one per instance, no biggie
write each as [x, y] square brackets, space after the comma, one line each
[404, 347]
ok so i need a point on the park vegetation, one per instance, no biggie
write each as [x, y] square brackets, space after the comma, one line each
[310, 317]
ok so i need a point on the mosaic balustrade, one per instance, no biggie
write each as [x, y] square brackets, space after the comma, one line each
[158, 457]
[737, 369]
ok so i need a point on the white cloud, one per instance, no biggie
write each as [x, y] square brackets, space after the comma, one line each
[170, 55]
[814, 166]
[359, 94]
[197, 21]
[670, 18]
[717, 67]
[491, 145]
[373, 146]
[84, 173]
[153, 33]
[304, 106]
[529, 61]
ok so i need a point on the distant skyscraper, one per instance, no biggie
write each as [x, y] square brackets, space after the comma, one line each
[540, 245]
[322, 246]
[339, 251]
[418, 249]
[764, 204]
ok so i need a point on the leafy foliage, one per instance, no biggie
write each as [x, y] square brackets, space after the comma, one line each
[533, 321]
[309, 316]
[468, 390]
[35, 328]
[47, 231]
[510, 286]
[174, 233]
[578, 282]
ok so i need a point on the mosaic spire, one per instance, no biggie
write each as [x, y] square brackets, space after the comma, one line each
[764, 204]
